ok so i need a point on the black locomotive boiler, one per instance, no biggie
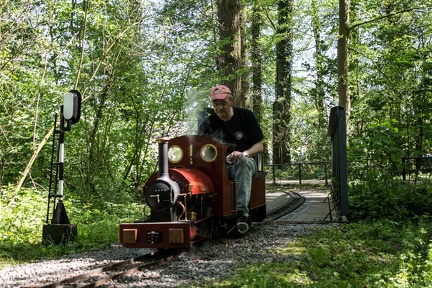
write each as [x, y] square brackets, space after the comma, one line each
[191, 197]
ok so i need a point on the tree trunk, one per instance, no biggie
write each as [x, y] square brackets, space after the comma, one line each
[318, 93]
[230, 60]
[342, 54]
[29, 164]
[354, 63]
[244, 92]
[282, 104]
[256, 58]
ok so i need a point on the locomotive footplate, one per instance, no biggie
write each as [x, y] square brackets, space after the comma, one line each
[157, 234]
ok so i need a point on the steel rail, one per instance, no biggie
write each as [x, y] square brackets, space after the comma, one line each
[108, 268]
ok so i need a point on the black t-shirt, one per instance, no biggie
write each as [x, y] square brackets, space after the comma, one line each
[242, 130]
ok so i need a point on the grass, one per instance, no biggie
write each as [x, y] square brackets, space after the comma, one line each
[21, 226]
[369, 254]
[381, 254]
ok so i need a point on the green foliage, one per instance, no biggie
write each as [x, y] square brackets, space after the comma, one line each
[125, 75]
[381, 143]
[381, 254]
[19, 219]
[380, 197]
[21, 225]
[377, 189]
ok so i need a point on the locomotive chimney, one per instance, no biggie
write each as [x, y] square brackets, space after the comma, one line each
[163, 157]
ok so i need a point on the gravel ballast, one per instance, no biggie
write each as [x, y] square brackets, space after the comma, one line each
[212, 260]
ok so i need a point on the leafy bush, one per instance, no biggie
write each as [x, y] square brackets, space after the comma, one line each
[381, 196]
[21, 225]
[380, 177]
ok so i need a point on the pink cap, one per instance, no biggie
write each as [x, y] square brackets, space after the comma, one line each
[219, 92]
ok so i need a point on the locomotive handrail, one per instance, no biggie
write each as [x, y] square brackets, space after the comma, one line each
[259, 162]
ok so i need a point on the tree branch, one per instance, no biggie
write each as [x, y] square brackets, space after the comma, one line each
[383, 17]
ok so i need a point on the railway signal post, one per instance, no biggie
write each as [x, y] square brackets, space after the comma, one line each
[60, 230]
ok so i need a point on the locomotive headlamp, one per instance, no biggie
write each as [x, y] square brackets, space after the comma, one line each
[208, 153]
[175, 154]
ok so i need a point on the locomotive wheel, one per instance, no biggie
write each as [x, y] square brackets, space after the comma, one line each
[203, 229]
[258, 214]
[216, 234]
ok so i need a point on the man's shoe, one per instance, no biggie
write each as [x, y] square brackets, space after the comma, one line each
[243, 218]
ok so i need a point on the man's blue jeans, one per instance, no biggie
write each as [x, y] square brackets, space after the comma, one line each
[243, 171]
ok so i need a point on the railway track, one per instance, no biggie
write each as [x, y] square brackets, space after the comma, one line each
[295, 201]
[105, 274]
[109, 273]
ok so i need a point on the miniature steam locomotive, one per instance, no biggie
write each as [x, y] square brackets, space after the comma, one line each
[191, 197]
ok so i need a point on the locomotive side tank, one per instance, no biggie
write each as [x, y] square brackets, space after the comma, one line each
[191, 196]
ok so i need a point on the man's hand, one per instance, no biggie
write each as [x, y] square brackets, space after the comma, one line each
[234, 156]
